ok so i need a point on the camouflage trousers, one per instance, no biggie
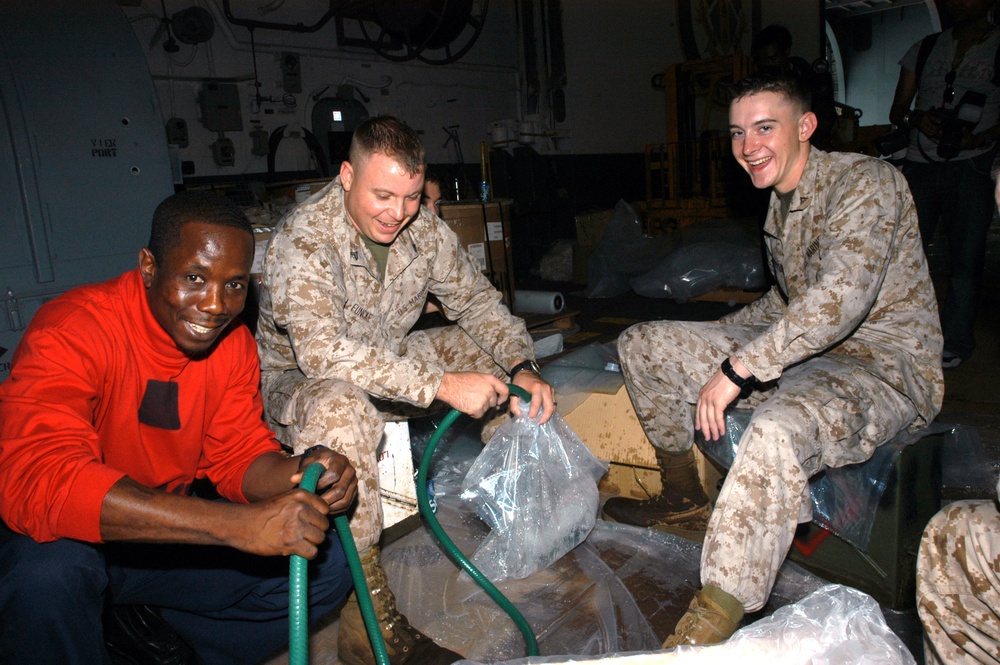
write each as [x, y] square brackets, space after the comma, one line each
[958, 584]
[824, 412]
[340, 415]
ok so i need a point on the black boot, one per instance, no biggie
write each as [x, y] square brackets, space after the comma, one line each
[137, 635]
[682, 507]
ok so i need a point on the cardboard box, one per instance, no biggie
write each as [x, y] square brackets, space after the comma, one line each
[397, 486]
[590, 227]
[483, 229]
[610, 428]
[261, 239]
[296, 190]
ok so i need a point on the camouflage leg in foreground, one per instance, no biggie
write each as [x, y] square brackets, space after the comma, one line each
[958, 584]
[824, 413]
[339, 415]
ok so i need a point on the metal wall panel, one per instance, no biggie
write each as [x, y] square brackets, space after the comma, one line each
[83, 153]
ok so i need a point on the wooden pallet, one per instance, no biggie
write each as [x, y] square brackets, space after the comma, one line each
[540, 325]
[733, 296]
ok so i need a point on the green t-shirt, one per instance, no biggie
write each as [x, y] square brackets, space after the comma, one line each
[380, 253]
[784, 199]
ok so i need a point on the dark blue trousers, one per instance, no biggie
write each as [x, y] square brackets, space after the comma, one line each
[959, 195]
[231, 607]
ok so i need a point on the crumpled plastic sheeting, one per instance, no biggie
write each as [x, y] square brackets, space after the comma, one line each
[622, 590]
[535, 486]
[695, 269]
[624, 252]
[594, 368]
[835, 625]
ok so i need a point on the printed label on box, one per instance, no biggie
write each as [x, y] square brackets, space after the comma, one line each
[478, 251]
[494, 230]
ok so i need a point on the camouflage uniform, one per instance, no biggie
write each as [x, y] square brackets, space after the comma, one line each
[958, 584]
[848, 346]
[337, 355]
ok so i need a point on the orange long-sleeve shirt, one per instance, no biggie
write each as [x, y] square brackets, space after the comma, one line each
[98, 391]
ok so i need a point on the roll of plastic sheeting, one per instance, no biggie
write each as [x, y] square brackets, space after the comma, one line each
[538, 302]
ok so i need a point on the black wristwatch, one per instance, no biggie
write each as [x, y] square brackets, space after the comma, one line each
[745, 385]
[529, 365]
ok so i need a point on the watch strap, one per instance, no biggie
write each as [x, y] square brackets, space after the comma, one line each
[530, 365]
[744, 384]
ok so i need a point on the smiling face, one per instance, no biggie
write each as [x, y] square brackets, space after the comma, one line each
[200, 286]
[770, 136]
[380, 196]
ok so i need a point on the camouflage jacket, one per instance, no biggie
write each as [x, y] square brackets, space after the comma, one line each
[851, 280]
[325, 310]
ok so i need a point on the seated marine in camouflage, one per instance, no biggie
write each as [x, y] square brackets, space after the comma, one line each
[345, 279]
[842, 353]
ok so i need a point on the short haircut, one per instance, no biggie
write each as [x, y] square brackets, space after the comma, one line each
[433, 174]
[186, 207]
[386, 135]
[773, 34]
[788, 85]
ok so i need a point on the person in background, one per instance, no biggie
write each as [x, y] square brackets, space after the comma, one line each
[121, 396]
[431, 199]
[345, 278]
[958, 575]
[954, 125]
[842, 353]
[433, 191]
[771, 53]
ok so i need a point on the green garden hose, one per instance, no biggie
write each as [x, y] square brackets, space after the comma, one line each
[449, 546]
[298, 588]
[298, 614]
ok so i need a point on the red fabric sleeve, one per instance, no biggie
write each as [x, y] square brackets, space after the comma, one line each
[52, 479]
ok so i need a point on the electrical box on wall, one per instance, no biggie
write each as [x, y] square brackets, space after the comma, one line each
[220, 107]
[177, 132]
[259, 136]
[223, 152]
[291, 72]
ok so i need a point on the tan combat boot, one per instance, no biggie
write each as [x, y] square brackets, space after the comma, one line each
[712, 617]
[682, 507]
[404, 644]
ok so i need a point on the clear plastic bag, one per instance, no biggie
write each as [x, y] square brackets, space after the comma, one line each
[536, 487]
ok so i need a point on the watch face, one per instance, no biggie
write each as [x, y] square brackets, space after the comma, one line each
[528, 365]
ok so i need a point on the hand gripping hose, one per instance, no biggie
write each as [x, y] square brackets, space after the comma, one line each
[298, 588]
[449, 546]
[298, 615]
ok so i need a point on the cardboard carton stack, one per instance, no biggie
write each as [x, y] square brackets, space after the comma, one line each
[483, 229]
